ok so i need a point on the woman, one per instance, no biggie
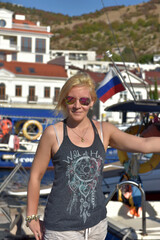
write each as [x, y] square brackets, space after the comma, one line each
[76, 205]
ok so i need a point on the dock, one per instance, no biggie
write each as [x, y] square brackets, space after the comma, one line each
[120, 224]
[12, 222]
[127, 227]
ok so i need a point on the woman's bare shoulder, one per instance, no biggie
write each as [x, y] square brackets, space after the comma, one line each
[52, 129]
[104, 125]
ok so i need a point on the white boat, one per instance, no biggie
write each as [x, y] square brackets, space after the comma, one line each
[122, 224]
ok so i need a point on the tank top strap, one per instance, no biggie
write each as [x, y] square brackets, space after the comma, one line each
[65, 128]
[94, 127]
[96, 131]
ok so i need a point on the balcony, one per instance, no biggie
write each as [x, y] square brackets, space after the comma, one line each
[7, 47]
[32, 99]
[55, 100]
[3, 98]
[31, 27]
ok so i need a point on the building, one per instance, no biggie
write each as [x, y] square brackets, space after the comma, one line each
[81, 59]
[30, 85]
[156, 58]
[22, 40]
[74, 55]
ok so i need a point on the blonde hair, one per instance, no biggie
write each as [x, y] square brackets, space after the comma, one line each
[80, 79]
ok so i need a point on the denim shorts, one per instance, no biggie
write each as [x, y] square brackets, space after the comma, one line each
[97, 232]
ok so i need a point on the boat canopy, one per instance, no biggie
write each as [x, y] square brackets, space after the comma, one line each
[135, 106]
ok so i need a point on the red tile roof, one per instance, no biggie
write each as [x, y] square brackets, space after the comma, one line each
[23, 22]
[40, 69]
[96, 76]
[152, 76]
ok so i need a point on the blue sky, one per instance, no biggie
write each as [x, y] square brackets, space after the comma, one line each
[72, 7]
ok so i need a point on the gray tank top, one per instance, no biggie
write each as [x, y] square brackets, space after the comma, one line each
[76, 201]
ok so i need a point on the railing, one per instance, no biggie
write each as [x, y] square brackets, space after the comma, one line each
[31, 27]
[32, 99]
[117, 187]
[3, 98]
[7, 46]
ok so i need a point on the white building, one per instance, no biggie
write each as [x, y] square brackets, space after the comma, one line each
[74, 55]
[22, 40]
[30, 85]
[81, 59]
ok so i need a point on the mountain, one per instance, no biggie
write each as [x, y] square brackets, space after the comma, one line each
[134, 30]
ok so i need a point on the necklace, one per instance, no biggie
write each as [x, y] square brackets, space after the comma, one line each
[81, 137]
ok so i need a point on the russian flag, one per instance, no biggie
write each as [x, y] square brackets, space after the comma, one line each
[110, 85]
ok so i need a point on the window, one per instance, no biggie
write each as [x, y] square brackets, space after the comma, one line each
[2, 56]
[26, 44]
[13, 41]
[56, 94]
[31, 93]
[47, 92]
[40, 45]
[31, 70]
[18, 69]
[14, 56]
[2, 91]
[59, 54]
[138, 95]
[2, 23]
[123, 95]
[72, 56]
[18, 92]
[39, 58]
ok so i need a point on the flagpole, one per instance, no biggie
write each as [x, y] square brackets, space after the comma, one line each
[110, 56]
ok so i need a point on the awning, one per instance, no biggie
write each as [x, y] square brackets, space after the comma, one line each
[28, 113]
[135, 106]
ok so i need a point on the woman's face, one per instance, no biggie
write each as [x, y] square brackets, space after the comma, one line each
[79, 102]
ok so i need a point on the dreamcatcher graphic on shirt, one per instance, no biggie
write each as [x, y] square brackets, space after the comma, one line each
[83, 172]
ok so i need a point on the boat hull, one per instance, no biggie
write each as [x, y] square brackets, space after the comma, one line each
[8, 160]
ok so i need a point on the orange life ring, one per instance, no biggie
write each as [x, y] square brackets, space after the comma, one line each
[27, 129]
[143, 167]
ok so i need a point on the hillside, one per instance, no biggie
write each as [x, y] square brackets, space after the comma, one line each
[135, 30]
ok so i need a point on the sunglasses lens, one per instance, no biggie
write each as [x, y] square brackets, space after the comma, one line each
[84, 101]
[70, 100]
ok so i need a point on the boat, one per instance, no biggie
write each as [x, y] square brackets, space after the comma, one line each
[123, 222]
[20, 131]
[149, 170]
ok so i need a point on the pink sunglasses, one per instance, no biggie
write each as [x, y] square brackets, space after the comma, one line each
[83, 100]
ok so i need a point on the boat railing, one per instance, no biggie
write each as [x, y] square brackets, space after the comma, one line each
[10, 176]
[143, 200]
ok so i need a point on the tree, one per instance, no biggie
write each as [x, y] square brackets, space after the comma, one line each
[155, 91]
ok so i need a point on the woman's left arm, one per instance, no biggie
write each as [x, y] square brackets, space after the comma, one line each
[130, 143]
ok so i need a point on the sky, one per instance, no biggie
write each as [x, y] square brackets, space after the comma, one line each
[72, 7]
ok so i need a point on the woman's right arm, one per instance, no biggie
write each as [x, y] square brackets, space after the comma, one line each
[39, 166]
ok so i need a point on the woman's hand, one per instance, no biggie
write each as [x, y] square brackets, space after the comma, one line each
[37, 227]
